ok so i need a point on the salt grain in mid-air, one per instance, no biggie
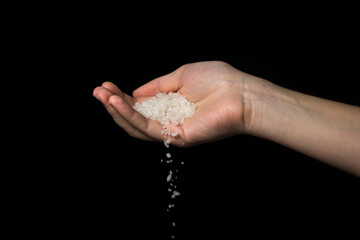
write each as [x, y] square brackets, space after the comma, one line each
[171, 108]
[168, 179]
[175, 194]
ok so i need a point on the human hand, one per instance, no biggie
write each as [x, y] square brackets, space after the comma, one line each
[215, 87]
[230, 102]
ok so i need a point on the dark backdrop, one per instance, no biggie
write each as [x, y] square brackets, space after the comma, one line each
[97, 180]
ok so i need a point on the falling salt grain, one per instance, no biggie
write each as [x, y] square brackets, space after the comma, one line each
[167, 142]
[175, 194]
[169, 176]
[167, 108]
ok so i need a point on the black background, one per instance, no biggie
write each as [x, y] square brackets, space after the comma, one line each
[95, 180]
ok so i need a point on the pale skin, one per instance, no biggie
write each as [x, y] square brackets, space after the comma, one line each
[230, 102]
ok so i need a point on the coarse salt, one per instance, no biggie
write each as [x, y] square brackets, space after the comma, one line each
[175, 194]
[167, 108]
[169, 176]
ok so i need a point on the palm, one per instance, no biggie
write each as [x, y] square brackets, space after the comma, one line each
[219, 106]
[212, 86]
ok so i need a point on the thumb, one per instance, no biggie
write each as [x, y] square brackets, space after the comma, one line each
[166, 83]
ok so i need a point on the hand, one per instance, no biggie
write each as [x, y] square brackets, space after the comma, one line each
[215, 87]
[230, 102]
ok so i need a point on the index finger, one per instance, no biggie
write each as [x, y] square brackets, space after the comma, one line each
[149, 127]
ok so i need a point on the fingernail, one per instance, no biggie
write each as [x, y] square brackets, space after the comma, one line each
[95, 93]
[95, 96]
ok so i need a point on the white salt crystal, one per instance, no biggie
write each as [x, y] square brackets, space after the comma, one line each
[169, 176]
[166, 109]
[166, 132]
[167, 142]
[175, 194]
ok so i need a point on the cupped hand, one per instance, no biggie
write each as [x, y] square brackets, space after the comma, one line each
[215, 87]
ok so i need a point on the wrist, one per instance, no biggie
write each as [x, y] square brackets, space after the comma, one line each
[265, 107]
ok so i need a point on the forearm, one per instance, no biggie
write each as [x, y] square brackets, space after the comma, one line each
[325, 130]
